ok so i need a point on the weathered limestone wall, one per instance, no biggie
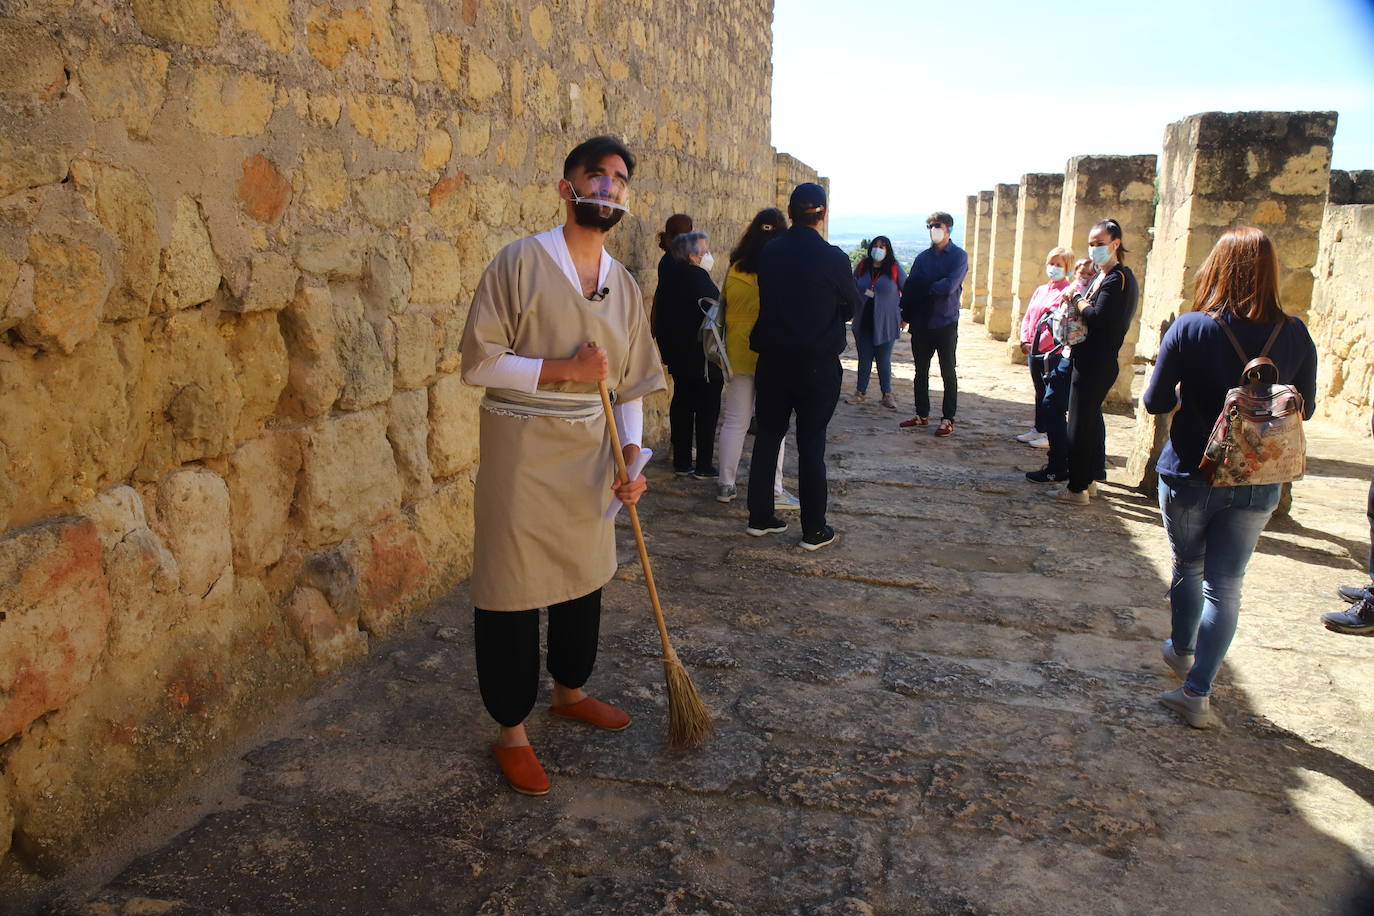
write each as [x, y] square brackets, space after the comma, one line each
[970, 218]
[1265, 169]
[1350, 187]
[978, 255]
[1002, 250]
[1120, 188]
[237, 243]
[1037, 231]
[1342, 314]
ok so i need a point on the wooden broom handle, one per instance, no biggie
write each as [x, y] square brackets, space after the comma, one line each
[623, 473]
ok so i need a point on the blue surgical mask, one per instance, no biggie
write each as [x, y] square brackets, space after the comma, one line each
[877, 254]
[1100, 254]
[1054, 272]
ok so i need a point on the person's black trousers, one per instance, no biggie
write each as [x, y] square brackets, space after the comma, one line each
[811, 387]
[1036, 363]
[507, 647]
[693, 413]
[1087, 429]
[924, 344]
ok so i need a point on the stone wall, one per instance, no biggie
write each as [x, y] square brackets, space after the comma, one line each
[970, 218]
[1222, 169]
[1037, 231]
[1001, 251]
[237, 243]
[978, 256]
[1120, 188]
[1342, 315]
[789, 171]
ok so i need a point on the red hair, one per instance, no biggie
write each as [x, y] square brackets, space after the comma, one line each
[1241, 276]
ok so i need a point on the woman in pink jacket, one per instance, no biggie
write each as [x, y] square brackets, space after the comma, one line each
[1036, 340]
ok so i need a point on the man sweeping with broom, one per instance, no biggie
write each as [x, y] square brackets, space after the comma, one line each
[542, 536]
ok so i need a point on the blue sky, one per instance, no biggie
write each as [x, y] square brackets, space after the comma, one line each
[910, 106]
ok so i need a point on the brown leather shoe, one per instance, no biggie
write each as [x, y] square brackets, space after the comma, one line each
[594, 712]
[914, 421]
[522, 769]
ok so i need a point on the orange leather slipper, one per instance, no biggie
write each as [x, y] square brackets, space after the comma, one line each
[522, 769]
[594, 712]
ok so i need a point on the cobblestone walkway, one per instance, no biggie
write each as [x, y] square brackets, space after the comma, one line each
[952, 710]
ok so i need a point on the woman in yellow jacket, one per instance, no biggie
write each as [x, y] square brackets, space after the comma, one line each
[741, 311]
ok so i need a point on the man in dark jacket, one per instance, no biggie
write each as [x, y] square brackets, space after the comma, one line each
[806, 294]
[930, 305]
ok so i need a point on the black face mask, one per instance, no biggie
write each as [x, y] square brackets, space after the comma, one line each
[589, 215]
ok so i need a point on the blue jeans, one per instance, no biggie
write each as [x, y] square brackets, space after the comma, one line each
[1053, 411]
[869, 352]
[1212, 533]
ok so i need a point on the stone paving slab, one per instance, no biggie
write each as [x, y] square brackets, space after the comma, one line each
[952, 710]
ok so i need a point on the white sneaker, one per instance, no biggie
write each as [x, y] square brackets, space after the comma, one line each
[1042, 442]
[1180, 663]
[1029, 435]
[1092, 488]
[785, 502]
[1196, 711]
[1065, 495]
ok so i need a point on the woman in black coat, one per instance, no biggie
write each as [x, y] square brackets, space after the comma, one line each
[684, 279]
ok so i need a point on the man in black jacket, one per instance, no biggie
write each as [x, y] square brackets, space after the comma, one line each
[806, 294]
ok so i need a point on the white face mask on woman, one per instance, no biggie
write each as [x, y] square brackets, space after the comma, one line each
[1054, 272]
[877, 254]
[708, 261]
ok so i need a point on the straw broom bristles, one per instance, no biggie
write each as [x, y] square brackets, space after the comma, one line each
[689, 721]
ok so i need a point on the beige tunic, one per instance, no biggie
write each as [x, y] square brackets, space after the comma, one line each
[543, 483]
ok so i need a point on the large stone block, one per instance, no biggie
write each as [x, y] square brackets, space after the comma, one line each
[262, 480]
[393, 576]
[70, 284]
[190, 270]
[128, 82]
[190, 22]
[415, 21]
[271, 284]
[367, 376]
[331, 254]
[1001, 253]
[54, 616]
[448, 55]
[407, 428]
[331, 33]
[315, 376]
[328, 641]
[228, 102]
[261, 363]
[386, 120]
[122, 202]
[387, 285]
[270, 20]
[262, 190]
[417, 348]
[193, 517]
[200, 401]
[30, 62]
[978, 256]
[349, 483]
[437, 272]
[444, 523]
[484, 78]
[324, 180]
[1037, 231]
[453, 422]
[389, 198]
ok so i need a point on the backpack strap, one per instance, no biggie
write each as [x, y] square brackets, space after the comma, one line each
[1235, 344]
[1273, 336]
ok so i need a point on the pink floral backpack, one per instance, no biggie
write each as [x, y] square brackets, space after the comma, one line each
[1258, 436]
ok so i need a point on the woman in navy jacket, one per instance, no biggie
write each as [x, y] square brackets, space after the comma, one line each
[1213, 530]
[878, 324]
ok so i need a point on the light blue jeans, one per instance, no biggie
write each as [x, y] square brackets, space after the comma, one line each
[1212, 532]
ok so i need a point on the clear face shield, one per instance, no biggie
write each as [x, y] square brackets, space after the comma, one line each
[604, 196]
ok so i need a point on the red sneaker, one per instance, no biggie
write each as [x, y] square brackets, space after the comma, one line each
[946, 428]
[914, 421]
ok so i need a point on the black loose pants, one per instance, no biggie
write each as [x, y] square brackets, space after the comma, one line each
[810, 386]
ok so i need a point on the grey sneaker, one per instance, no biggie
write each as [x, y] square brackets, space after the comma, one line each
[857, 397]
[785, 502]
[1353, 593]
[1196, 711]
[889, 401]
[726, 493]
[1180, 663]
[1356, 620]
[1065, 495]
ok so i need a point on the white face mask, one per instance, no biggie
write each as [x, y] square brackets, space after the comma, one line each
[1054, 272]
[877, 254]
[707, 262]
[938, 234]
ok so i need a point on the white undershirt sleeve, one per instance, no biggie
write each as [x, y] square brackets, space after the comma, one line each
[506, 370]
[629, 420]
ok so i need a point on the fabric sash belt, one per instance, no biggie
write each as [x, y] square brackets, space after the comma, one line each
[572, 406]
